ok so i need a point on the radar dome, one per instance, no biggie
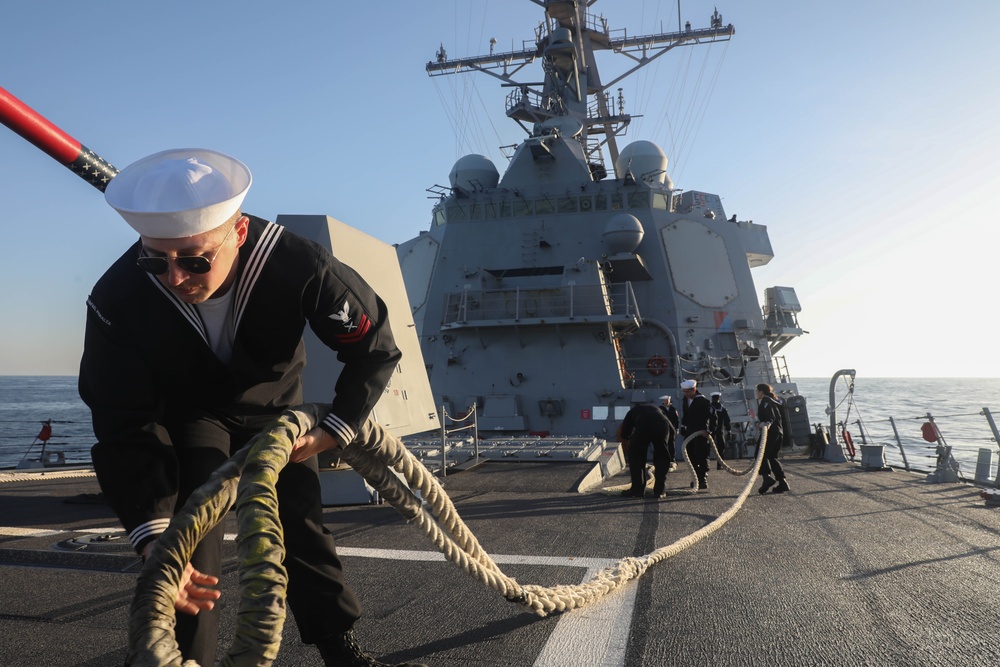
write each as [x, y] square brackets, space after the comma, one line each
[643, 159]
[622, 234]
[474, 172]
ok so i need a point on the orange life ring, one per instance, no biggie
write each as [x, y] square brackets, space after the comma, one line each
[656, 365]
[848, 441]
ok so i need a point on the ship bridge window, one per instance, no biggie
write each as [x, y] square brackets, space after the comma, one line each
[601, 202]
[466, 211]
[439, 218]
[506, 209]
[543, 206]
[639, 199]
[661, 202]
[616, 201]
[522, 208]
[567, 204]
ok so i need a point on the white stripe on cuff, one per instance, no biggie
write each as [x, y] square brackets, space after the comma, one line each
[148, 529]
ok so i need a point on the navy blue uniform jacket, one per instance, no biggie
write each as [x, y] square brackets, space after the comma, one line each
[147, 359]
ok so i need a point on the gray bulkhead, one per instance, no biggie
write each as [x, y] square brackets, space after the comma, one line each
[551, 314]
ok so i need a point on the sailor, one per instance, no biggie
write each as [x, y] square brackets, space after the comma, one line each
[720, 425]
[193, 345]
[667, 408]
[769, 414]
[644, 425]
[697, 416]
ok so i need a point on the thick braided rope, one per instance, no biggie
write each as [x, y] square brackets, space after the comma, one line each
[753, 468]
[375, 449]
[371, 454]
[248, 478]
[566, 598]
[259, 627]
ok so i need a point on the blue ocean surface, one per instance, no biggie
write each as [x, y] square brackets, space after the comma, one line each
[957, 406]
[28, 401]
[891, 412]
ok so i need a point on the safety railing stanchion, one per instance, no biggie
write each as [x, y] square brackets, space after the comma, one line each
[899, 443]
[444, 442]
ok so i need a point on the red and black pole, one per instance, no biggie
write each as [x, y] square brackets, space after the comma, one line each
[63, 148]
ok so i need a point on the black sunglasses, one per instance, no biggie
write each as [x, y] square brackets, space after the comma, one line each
[190, 264]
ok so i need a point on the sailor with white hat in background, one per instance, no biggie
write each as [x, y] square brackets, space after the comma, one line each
[696, 417]
[667, 407]
[193, 346]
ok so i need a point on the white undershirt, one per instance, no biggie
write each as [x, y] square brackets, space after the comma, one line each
[218, 317]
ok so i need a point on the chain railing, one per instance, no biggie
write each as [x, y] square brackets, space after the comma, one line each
[471, 416]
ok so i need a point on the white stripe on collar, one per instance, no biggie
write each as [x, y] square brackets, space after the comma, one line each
[258, 258]
[248, 278]
[188, 310]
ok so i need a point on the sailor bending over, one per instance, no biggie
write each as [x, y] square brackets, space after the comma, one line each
[193, 346]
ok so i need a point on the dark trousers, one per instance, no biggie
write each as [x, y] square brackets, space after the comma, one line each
[697, 451]
[770, 465]
[320, 600]
[638, 452]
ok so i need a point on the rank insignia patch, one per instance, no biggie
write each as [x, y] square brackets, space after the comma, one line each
[353, 331]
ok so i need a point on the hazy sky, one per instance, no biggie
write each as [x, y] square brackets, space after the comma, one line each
[863, 134]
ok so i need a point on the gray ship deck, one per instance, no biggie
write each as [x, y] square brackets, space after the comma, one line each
[851, 568]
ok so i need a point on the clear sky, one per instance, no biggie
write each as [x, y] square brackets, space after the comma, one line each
[863, 134]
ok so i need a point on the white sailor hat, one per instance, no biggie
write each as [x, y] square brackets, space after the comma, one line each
[688, 384]
[666, 398]
[716, 393]
[179, 193]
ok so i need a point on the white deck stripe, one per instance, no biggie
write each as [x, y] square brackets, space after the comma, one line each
[595, 635]
[28, 532]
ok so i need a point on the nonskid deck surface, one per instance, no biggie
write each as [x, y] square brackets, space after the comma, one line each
[851, 567]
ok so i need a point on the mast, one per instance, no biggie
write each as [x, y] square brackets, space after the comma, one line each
[572, 96]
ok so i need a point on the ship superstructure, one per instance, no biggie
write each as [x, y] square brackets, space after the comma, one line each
[557, 295]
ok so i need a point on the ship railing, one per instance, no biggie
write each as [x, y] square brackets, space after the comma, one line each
[938, 445]
[564, 304]
[469, 421]
[712, 371]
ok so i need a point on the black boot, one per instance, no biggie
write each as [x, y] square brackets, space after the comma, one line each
[781, 488]
[344, 651]
[768, 483]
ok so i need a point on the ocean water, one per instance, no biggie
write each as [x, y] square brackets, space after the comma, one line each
[26, 402]
[955, 404]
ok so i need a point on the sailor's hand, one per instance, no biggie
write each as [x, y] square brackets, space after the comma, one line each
[194, 596]
[315, 441]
